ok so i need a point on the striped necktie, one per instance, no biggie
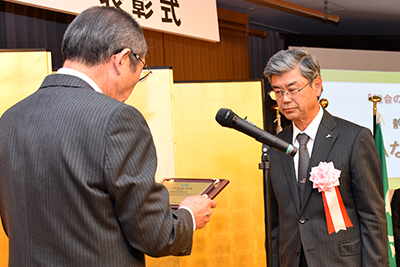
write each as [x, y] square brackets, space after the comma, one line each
[304, 159]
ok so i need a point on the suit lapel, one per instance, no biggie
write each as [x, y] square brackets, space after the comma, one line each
[289, 171]
[323, 144]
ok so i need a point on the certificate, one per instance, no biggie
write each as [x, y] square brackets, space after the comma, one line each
[180, 188]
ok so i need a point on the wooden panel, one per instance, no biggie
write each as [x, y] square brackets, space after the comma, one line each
[155, 53]
[237, 57]
[194, 60]
[227, 15]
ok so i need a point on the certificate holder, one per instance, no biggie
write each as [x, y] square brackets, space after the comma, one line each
[180, 188]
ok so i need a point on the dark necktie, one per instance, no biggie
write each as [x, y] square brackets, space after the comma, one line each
[303, 163]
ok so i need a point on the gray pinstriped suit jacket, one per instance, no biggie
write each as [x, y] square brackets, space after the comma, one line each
[351, 149]
[77, 182]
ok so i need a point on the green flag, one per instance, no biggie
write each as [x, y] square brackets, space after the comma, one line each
[381, 151]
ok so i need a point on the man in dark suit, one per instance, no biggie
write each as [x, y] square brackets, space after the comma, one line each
[300, 234]
[77, 165]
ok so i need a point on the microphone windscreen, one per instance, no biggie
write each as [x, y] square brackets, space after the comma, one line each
[225, 117]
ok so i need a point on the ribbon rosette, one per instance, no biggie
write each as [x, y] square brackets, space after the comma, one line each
[326, 178]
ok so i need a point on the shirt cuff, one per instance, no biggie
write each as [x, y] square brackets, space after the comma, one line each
[191, 213]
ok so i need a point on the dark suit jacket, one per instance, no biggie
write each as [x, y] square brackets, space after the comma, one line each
[351, 149]
[77, 182]
[395, 205]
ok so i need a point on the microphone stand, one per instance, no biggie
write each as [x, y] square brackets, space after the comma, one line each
[264, 165]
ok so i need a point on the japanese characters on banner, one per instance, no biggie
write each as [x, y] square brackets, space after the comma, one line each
[190, 18]
[349, 100]
[391, 120]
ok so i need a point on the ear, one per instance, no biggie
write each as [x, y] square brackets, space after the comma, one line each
[318, 86]
[121, 59]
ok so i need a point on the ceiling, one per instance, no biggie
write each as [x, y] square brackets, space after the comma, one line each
[357, 17]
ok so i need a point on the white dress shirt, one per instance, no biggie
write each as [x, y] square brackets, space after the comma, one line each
[80, 75]
[311, 131]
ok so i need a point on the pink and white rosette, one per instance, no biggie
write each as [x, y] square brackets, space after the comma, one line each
[326, 178]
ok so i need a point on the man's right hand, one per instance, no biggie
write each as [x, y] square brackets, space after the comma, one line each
[201, 207]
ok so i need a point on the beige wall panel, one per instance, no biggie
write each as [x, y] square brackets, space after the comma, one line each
[236, 234]
[204, 149]
[21, 74]
[153, 99]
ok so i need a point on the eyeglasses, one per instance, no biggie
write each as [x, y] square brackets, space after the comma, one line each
[292, 93]
[146, 71]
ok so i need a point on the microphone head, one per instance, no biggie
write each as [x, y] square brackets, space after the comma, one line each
[225, 117]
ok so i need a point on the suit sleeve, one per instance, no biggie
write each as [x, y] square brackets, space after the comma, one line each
[274, 228]
[367, 187]
[142, 205]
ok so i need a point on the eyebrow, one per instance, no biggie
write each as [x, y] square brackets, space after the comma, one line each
[288, 85]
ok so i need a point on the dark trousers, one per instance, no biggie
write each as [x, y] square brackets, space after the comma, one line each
[303, 262]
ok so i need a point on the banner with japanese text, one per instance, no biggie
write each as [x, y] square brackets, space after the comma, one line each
[194, 19]
[348, 94]
[350, 78]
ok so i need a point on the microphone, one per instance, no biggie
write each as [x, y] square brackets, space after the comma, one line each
[228, 118]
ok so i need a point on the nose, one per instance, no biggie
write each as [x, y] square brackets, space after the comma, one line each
[286, 97]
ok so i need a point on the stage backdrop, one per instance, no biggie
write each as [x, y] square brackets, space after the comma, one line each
[350, 78]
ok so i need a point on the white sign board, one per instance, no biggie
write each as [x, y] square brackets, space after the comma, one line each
[190, 18]
[349, 100]
[350, 77]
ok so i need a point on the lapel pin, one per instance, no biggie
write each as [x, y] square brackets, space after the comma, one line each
[328, 136]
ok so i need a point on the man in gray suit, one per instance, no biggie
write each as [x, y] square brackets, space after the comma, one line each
[77, 165]
[300, 235]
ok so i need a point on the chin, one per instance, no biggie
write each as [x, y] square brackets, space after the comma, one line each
[289, 116]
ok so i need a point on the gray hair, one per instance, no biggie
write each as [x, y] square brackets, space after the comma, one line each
[99, 32]
[287, 60]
